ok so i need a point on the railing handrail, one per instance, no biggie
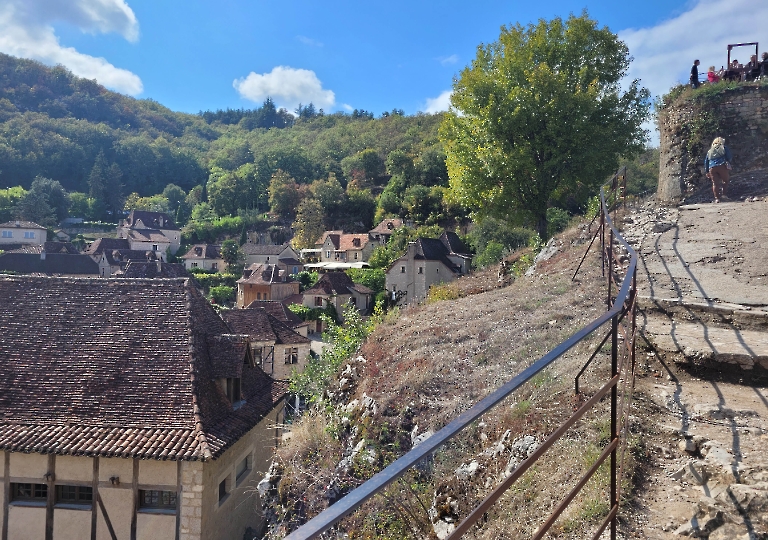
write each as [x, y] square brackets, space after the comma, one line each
[397, 468]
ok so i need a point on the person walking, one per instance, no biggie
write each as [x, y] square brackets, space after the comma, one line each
[717, 165]
[695, 74]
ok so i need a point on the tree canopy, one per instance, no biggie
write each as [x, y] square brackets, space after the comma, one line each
[541, 115]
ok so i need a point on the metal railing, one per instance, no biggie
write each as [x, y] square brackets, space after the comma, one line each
[619, 266]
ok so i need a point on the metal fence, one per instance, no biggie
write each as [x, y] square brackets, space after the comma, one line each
[619, 262]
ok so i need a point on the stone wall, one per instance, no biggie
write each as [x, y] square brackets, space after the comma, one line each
[688, 125]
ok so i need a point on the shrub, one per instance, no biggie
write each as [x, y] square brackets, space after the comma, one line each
[438, 293]
[222, 294]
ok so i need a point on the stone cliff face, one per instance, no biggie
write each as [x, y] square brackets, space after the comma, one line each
[689, 122]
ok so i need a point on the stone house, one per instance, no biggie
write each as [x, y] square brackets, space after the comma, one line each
[338, 290]
[113, 255]
[381, 233]
[130, 412]
[205, 257]
[22, 232]
[346, 248]
[427, 262]
[268, 253]
[146, 230]
[264, 282]
[274, 345]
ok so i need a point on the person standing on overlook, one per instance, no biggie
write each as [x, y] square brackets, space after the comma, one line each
[695, 74]
[716, 166]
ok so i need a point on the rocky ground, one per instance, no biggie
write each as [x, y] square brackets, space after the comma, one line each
[702, 396]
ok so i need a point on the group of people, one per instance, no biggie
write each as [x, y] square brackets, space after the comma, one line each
[750, 71]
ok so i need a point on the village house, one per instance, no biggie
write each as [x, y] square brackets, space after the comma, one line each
[338, 290]
[345, 247]
[113, 254]
[276, 348]
[281, 312]
[264, 282]
[381, 233]
[130, 411]
[268, 254]
[427, 262]
[204, 257]
[154, 231]
[22, 232]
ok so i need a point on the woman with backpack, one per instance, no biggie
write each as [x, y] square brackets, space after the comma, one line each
[716, 166]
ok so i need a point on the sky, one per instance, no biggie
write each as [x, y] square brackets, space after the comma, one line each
[195, 55]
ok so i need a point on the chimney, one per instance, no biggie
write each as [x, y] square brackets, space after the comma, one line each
[159, 266]
[42, 255]
[18, 223]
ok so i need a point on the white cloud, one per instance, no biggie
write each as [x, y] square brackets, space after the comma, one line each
[26, 30]
[309, 41]
[287, 86]
[446, 60]
[440, 103]
[348, 107]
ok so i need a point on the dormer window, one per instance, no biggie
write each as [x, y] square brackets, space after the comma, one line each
[233, 389]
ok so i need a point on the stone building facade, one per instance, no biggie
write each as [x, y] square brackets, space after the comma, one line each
[688, 125]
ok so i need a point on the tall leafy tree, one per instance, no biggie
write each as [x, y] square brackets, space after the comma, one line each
[539, 111]
[284, 194]
[309, 223]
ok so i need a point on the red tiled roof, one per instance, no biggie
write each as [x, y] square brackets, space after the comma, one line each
[279, 311]
[147, 235]
[151, 220]
[203, 251]
[336, 283]
[388, 226]
[264, 274]
[119, 367]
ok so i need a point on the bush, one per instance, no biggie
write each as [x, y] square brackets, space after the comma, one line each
[222, 294]
[492, 254]
[373, 278]
[438, 293]
[557, 221]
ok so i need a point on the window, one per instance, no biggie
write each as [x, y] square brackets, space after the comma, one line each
[74, 495]
[28, 234]
[437, 270]
[402, 269]
[154, 247]
[421, 269]
[291, 355]
[223, 489]
[328, 254]
[318, 301]
[7, 234]
[243, 468]
[233, 390]
[156, 499]
[29, 492]
[355, 255]
[214, 266]
[295, 269]
[258, 296]
[194, 265]
[257, 355]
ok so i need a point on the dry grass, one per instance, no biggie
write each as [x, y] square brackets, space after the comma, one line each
[435, 361]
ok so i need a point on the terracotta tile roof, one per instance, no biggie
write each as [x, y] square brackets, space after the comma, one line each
[147, 235]
[20, 225]
[263, 249]
[387, 226]
[353, 241]
[49, 247]
[279, 311]
[119, 367]
[227, 352]
[121, 257]
[62, 264]
[151, 220]
[153, 269]
[203, 251]
[261, 326]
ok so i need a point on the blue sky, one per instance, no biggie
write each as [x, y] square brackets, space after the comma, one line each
[195, 55]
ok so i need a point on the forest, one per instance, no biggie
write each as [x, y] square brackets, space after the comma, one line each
[71, 148]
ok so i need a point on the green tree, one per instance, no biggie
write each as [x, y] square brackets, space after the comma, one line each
[55, 196]
[541, 110]
[34, 207]
[328, 193]
[80, 205]
[9, 198]
[233, 256]
[309, 224]
[175, 196]
[284, 194]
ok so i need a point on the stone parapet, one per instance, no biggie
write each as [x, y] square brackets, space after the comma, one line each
[688, 125]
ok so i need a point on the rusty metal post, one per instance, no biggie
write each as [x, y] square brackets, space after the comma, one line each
[614, 418]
